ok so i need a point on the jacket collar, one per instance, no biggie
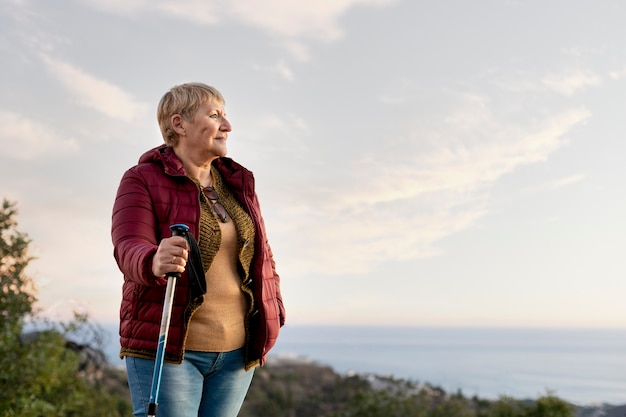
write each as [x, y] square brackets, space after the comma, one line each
[233, 172]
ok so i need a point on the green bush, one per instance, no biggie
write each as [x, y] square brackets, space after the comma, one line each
[41, 375]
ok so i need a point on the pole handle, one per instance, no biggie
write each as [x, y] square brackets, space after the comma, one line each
[177, 229]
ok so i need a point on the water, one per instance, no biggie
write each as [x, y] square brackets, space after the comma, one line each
[579, 365]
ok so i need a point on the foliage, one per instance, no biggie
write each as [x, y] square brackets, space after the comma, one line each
[17, 292]
[298, 390]
[546, 406]
[549, 406]
[508, 407]
[43, 374]
[307, 390]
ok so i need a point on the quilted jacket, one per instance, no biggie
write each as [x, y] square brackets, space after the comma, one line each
[151, 196]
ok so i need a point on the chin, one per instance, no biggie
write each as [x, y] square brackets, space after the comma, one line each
[218, 153]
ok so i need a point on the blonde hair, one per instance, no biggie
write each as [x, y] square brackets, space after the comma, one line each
[183, 99]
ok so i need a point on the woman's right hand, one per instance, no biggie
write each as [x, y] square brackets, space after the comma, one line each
[171, 256]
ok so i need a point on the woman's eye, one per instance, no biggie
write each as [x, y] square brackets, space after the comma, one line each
[214, 116]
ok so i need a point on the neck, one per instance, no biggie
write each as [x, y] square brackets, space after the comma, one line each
[198, 169]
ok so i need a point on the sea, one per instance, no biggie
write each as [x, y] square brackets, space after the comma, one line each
[582, 366]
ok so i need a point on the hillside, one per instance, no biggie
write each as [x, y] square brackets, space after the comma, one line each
[297, 388]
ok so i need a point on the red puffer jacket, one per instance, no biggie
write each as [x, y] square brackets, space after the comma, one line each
[153, 195]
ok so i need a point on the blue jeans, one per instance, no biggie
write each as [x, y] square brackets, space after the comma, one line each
[205, 384]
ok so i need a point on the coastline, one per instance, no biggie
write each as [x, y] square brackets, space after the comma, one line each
[582, 366]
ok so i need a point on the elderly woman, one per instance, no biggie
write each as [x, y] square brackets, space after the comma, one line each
[218, 336]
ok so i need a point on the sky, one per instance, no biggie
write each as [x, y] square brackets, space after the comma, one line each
[447, 163]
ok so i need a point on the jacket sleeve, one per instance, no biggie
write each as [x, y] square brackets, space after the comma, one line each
[133, 230]
[279, 297]
[269, 267]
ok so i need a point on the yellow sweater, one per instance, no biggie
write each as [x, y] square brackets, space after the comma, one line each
[227, 250]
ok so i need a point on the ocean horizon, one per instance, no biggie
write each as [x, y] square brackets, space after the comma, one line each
[582, 366]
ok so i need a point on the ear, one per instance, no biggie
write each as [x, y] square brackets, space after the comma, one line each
[177, 123]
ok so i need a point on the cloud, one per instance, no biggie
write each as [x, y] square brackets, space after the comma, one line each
[124, 7]
[497, 149]
[95, 93]
[198, 11]
[313, 19]
[289, 22]
[283, 18]
[25, 139]
[280, 68]
[298, 50]
[562, 182]
[558, 183]
[567, 83]
[399, 207]
[617, 75]
[295, 131]
[570, 83]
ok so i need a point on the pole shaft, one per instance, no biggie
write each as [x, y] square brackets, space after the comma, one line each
[163, 332]
[166, 315]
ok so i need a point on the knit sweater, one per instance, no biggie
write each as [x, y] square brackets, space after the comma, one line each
[218, 324]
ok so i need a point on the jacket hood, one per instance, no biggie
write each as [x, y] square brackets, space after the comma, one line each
[163, 155]
[153, 154]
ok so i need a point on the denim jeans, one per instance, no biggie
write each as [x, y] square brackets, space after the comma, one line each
[205, 384]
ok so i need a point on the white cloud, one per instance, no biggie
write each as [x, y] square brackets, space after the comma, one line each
[617, 75]
[315, 19]
[286, 18]
[567, 83]
[570, 83]
[125, 7]
[558, 183]
[95, 93]
[280, 68]
[199, 11]
[400, 206]
[562, 182]
[295, 131]
[298, 50]
[25, 139]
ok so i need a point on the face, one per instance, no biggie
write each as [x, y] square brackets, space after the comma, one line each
[207, 133]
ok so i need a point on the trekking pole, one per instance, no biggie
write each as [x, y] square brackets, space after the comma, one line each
[177, 230]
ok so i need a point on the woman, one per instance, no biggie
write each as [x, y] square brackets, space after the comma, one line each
[217, 338]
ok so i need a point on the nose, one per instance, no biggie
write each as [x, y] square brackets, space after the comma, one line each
[225, 127]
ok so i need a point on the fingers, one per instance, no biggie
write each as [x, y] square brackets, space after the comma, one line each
[174, 246]
[179, 260]
[177, 244]
[171, 256]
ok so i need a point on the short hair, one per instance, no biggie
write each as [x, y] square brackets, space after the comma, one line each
[183, 99]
